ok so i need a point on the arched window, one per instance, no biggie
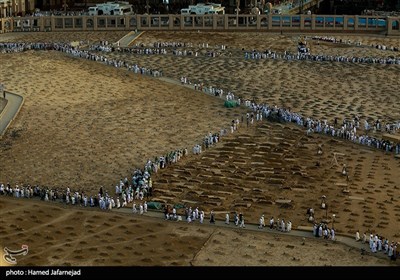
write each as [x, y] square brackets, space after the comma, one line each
[177, 21]
[89, 22]
[132, 22]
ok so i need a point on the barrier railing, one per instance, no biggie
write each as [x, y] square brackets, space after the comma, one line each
[227, 22]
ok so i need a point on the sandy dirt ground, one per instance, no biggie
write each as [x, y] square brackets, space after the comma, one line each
[87, 125]
[60, 235]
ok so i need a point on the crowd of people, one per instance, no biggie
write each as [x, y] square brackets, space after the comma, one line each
[286, 55]
[139, 188]
[378, 243]
[77, 52]
[334, 40]
[346, 130]
[323, 230]
[238, 220]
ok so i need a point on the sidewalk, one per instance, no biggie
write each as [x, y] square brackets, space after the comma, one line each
[346, 240]
[299, 232]
[129, 38]
[12, 108]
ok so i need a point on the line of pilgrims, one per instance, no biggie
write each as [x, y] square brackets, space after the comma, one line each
[141, 181]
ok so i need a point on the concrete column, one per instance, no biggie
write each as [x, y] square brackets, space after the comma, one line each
[269, 21]
[226, 22]
[95, 23]
[171, 19]
[84, 23]
[389, 23]
[302, 19]
[356, 22]
[183, 22]
[139, 22]
[41, 23]
[214, 19]
[53, 23]
[313, 22]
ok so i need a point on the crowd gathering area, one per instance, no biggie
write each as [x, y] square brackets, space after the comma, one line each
[283, 131]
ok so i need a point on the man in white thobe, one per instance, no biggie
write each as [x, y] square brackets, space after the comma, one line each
[262, 224]
[357, 236]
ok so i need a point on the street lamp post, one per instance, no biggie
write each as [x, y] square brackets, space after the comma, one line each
[147, 7]
[237, 12]
[333, 220]
[8, 9]
[65, 6]
[301, 6]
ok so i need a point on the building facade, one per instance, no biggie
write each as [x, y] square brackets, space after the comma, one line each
[9, 8]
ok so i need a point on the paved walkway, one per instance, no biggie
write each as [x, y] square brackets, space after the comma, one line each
[175, 82]
[129, 38]
[14, 103]
[346, 240]
[300, 232]
[3, 103]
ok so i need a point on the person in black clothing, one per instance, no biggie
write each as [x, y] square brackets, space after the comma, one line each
[212, 218]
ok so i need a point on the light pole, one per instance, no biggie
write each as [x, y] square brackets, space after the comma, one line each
[333, 220]
[301, 6]
[147, 7]
[237, 12]
[65, 6]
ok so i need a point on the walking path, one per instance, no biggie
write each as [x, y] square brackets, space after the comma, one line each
[300, 232]
[11, 110]
[129, 38]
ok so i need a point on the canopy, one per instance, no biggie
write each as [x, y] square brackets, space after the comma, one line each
[230, 103]
[154, 205]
